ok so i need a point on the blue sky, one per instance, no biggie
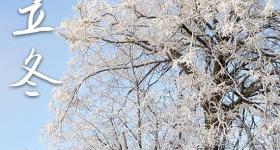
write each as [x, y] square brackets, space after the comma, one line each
[22, 117]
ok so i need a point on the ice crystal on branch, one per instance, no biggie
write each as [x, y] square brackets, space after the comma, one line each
[170, 74]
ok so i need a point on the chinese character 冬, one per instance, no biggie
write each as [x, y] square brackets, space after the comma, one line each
[32, 71]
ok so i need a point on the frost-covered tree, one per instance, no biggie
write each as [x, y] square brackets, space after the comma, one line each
[170, 74]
